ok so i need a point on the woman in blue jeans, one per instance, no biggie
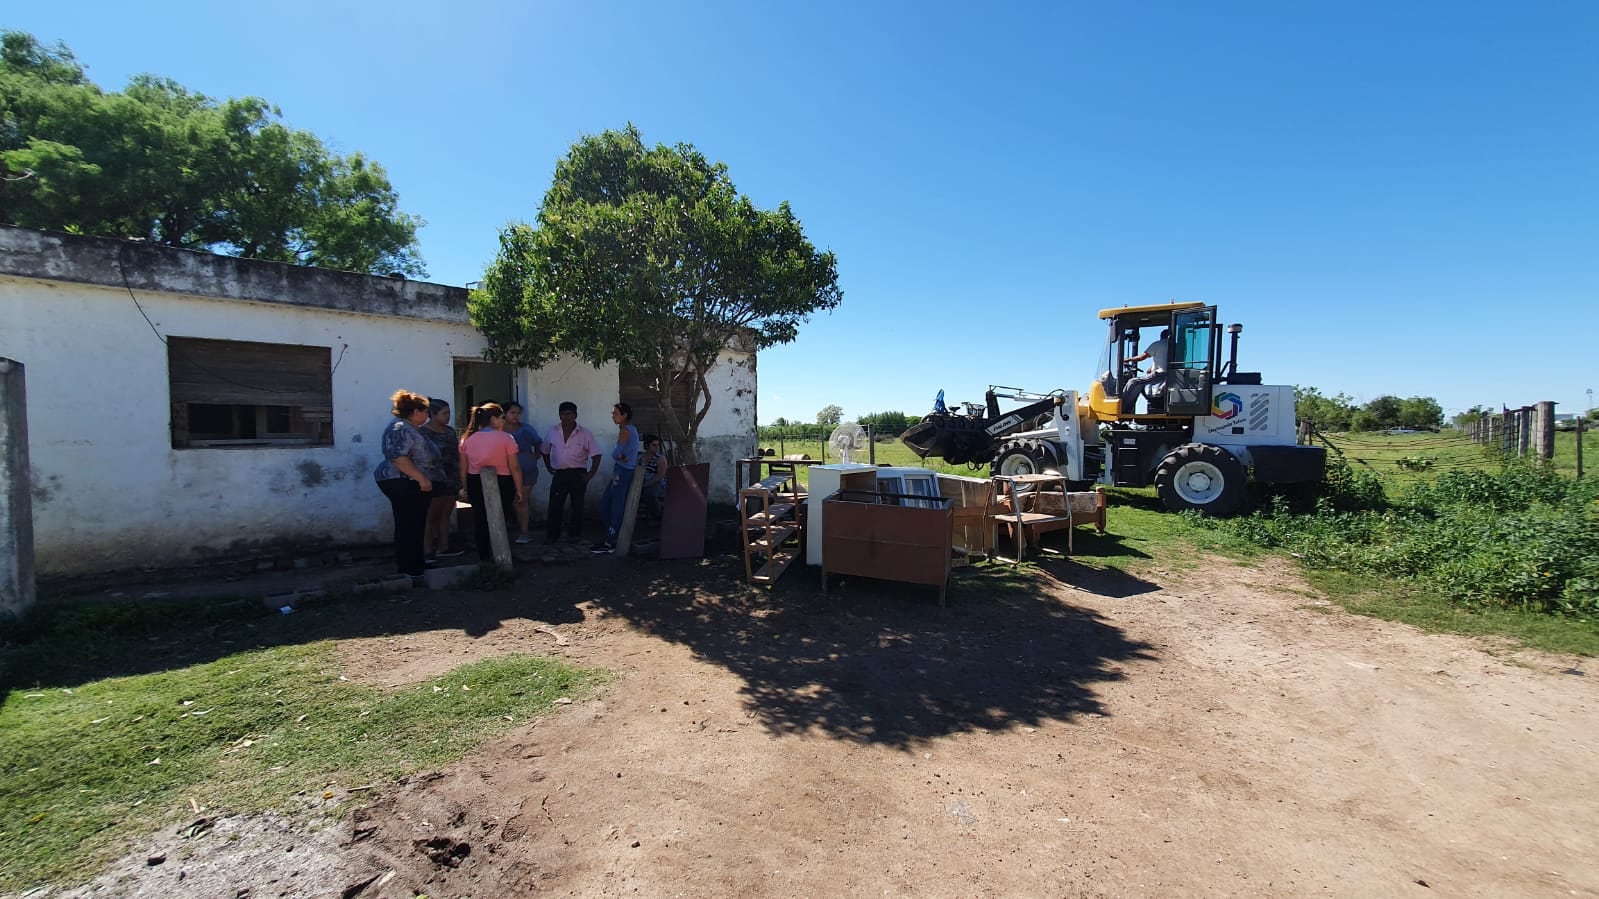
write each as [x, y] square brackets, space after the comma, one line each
[624, 461]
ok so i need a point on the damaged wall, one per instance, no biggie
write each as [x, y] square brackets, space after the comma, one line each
[110, 492]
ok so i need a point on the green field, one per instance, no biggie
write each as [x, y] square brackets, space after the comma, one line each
[1433, 454]
[1379, 452]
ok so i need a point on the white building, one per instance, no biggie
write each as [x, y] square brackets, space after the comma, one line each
[185, 407]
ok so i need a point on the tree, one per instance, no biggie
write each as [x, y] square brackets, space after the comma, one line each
[886, 422]
[1421, 413]
[781, 422]
[650, 257]
[1326, 413]
[159, 162]
[830, 415]
[1472, 416]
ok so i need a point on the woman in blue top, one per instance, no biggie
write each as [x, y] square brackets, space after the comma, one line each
[410, 466]
[528, 442]
[624, 461]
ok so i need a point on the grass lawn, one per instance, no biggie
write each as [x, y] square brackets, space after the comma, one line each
[84, 766]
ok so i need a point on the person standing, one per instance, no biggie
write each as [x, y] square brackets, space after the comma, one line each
[528, 442]
[486, 444]
[624, 464]
[436, 542]
[568, 447]
[410, 466]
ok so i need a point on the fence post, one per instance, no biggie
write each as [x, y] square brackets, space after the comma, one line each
[1545, 436]
[17, 586]
[499, 540]
[1581, 420]
[871, 445]
[1523, 431]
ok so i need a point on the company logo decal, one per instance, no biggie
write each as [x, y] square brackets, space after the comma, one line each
[1227, 405]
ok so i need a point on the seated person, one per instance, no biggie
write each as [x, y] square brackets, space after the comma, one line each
[1157, 353]
[653, 464]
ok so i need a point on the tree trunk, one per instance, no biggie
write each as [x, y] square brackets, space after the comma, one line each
[675, 429]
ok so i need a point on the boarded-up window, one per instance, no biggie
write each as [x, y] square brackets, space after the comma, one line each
[238, 393]
[639, 390]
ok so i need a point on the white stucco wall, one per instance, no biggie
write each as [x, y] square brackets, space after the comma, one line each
[110, 491]
[732, 384]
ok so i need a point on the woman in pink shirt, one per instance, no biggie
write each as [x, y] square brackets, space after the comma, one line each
[485, 444]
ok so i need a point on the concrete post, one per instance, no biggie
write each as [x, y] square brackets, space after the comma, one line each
[17, 592]
[499, 539]
[635, 489]
[1544, 437]
[1523, 431]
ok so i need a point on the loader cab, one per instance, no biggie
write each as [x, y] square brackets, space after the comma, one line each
[1192, 353]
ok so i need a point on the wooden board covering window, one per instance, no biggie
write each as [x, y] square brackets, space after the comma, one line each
[246, 373]
[637, 388]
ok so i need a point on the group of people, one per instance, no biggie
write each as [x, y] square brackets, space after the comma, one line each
[426, 469]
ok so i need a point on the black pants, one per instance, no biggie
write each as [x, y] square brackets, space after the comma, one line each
[480, 511]
[567, 483]
[410, 504]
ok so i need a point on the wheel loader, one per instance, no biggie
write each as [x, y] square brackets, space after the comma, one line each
[1205, 426]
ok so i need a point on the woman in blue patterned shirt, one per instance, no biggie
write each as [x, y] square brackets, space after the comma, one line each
[410, 466]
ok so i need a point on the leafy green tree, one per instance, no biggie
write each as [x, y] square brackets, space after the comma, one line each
[160, 162]
[1471, 416]
[650, 257]
[886, 422]
[830, 415]
[1327, 413]
[1421, 412]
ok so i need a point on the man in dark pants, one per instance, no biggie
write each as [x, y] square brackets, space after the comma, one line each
[568, 447]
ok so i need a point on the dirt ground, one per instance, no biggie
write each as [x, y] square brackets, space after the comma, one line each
[1206, 732]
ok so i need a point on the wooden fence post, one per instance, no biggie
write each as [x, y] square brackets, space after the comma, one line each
[1523, 431]
[499, 539]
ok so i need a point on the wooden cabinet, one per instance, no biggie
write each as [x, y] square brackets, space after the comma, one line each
[894, 537]
[773, 535]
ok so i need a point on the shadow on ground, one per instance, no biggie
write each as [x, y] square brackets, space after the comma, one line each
[878, 662]
[872, 661]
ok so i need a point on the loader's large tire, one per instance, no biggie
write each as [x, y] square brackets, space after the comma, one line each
[1206, 478]
[1024, 457]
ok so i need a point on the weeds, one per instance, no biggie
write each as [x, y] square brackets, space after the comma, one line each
[1520, 537]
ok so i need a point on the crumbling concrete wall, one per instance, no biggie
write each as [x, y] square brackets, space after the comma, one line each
[108, 489]
[728, 431]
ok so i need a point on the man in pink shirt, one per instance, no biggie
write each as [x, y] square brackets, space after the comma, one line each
[568, 448]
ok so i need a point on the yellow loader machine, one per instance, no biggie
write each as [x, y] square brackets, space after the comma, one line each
[1205, 427]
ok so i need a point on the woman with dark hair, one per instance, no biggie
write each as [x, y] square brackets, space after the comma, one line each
[624, 461]
[410, 466]
[436, 541]
[486, 444]
[527, 456]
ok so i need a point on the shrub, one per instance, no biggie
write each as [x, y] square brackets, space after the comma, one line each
[1520, 536]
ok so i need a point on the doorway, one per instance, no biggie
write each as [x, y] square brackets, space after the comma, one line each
[481, 382]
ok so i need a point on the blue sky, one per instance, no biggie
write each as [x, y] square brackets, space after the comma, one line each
[1392, 197]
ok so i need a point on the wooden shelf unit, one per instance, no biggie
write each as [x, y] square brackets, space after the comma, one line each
[773, 532]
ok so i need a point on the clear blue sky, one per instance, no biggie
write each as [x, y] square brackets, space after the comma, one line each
[1393, 197]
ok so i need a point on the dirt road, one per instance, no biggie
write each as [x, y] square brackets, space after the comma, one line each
[1213, 732]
